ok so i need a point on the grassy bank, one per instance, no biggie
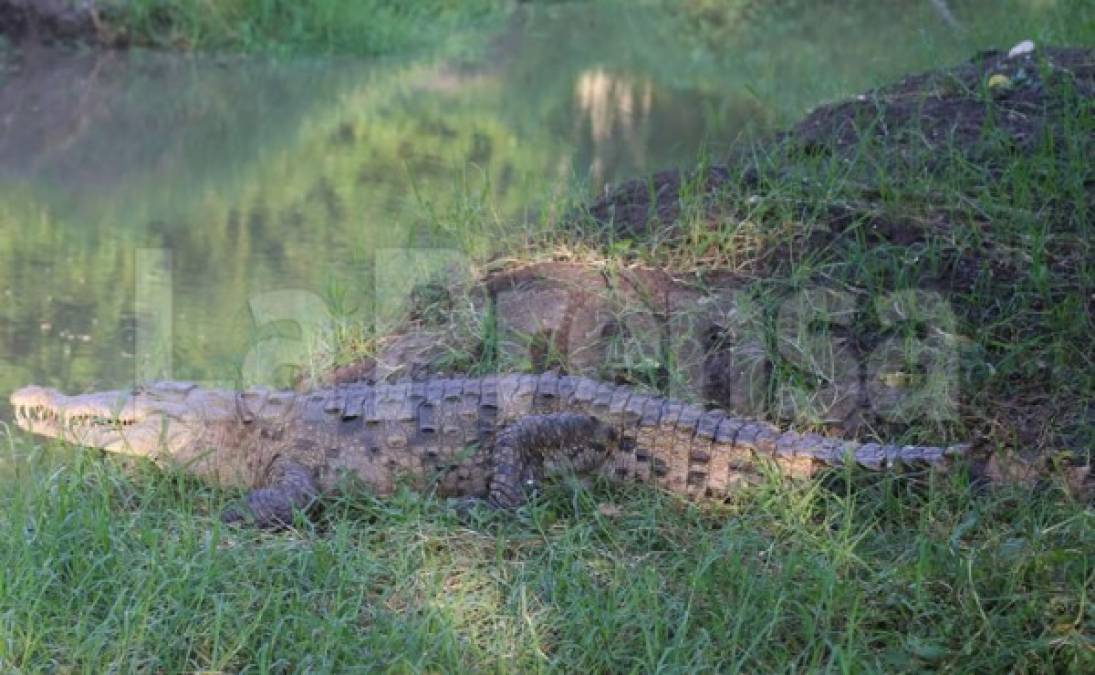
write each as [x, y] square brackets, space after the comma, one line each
[111, 571]
[347, 27]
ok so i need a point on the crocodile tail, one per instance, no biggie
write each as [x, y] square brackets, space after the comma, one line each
[740, 442]
[870, 456]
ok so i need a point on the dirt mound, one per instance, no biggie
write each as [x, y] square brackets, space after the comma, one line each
[991, 103]
[642, 204]
[952, 107]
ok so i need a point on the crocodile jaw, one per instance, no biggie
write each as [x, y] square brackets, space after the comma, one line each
[143, 422]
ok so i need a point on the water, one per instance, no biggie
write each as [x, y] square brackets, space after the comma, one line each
[214, 182]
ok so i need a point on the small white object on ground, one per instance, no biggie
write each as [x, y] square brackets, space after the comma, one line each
[1024, 47]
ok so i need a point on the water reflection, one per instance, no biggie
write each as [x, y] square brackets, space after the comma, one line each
[615, 108]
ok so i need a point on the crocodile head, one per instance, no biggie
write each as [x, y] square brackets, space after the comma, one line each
[165, 420]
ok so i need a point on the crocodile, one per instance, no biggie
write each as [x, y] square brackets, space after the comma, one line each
[491, 439]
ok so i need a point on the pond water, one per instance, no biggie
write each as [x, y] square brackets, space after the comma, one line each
[153, 206]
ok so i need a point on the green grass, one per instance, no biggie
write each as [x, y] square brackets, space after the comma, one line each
[350, 27]
[107, 570]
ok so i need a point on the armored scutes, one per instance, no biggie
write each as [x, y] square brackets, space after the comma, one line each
[493, 438]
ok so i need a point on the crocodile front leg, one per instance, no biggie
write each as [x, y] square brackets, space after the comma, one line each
[289, 486]
[521, 450]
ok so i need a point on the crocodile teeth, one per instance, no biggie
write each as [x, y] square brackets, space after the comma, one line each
[34, 414]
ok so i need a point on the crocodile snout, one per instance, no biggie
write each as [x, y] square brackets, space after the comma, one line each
[36, 408]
